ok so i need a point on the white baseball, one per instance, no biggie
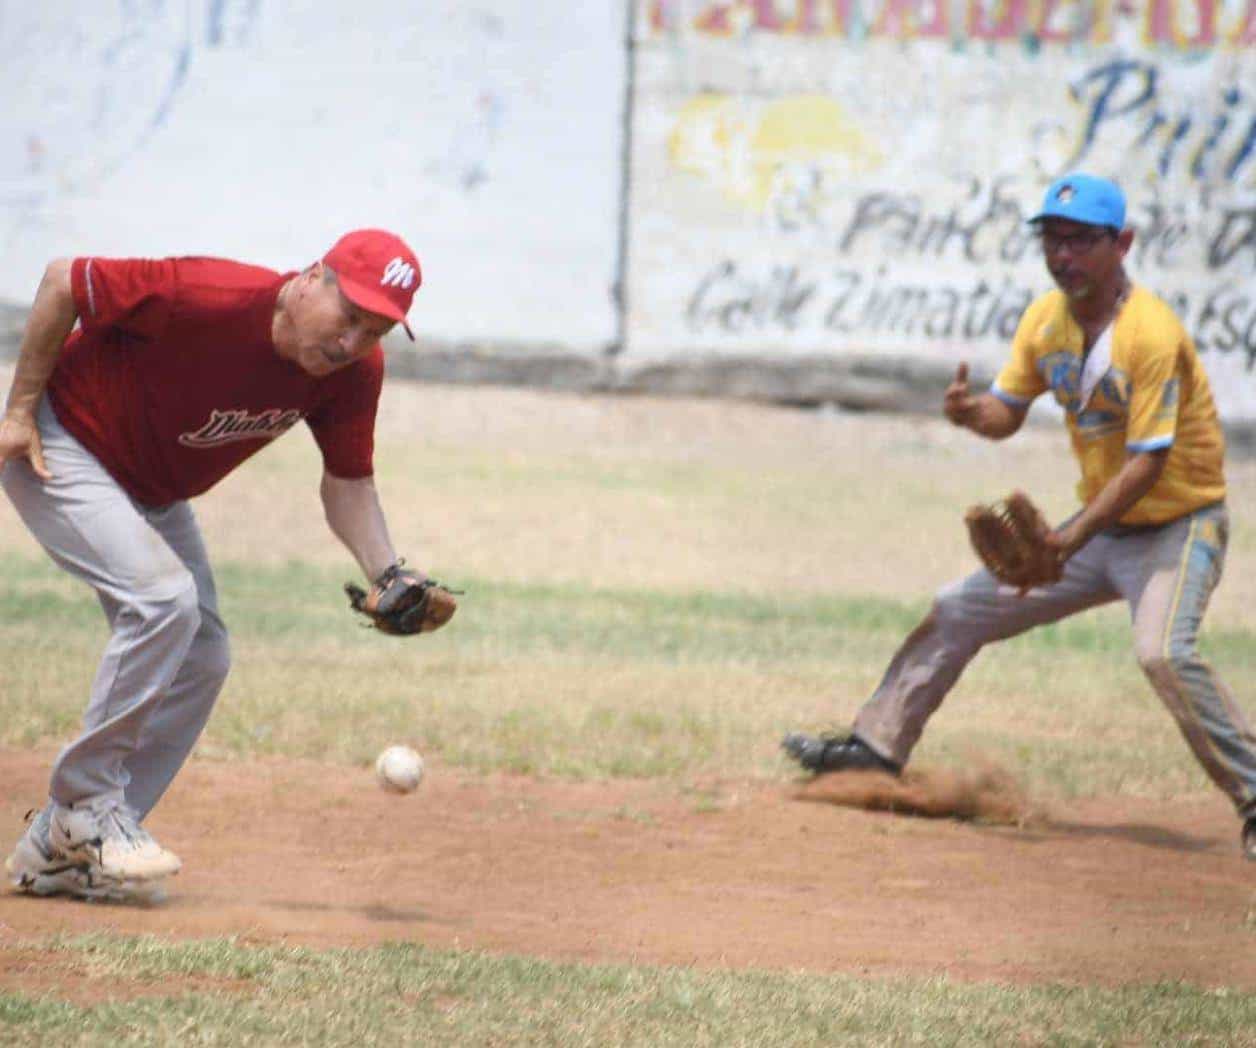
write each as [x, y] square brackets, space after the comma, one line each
[399, 769]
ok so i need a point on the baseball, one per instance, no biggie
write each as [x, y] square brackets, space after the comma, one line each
[399, 769]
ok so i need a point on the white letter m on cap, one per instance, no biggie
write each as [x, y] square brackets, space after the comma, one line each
[398, 273]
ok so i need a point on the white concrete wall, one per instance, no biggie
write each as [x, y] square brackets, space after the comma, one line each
[832, 178]
[853, 176]
[488, 133]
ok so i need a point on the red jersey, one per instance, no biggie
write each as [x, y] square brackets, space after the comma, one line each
[172, 379]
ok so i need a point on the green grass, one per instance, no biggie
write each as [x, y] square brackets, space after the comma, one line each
[653, 590]
[288, 605]
[225, 993]
[588, 681]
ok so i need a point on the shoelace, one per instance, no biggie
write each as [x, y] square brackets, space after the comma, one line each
[123, 820]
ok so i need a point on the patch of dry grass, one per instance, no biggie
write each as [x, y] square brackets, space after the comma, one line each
[673, 494]
[608, 542]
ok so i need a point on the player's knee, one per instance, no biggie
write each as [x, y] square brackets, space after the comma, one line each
[1153, 662]
[951, 620]
[172, 606]
[212, 651]
[185, 604]
[947, 608]
[1164, 666]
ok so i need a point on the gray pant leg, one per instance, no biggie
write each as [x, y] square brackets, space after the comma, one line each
[90, 527]
[173, 727]
[965, 616]
[1168, 576]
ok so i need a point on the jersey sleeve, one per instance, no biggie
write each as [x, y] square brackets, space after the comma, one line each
[1019, 381]
[344, 422]
[131, 295]
[1154, 390]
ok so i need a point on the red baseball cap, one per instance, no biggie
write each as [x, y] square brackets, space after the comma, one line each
[377, 272]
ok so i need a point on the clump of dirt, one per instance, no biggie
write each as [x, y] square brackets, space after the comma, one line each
[985, 793]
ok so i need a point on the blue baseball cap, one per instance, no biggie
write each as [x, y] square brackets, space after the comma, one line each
[1084, 198]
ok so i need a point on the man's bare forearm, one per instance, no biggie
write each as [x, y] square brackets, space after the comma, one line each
[1135, 479]
[355, 517]
[51, 319]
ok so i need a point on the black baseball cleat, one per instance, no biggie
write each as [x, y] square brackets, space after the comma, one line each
[825, 753]
[1249, 838]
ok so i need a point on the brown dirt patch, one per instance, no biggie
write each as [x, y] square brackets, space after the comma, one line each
[733, 874]
[29, 970]
[989, 794]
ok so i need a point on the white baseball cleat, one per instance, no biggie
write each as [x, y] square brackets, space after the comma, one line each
[36, 867]
[111, 842]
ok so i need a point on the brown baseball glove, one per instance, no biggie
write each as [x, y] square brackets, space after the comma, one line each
[1010, 537]
[399, 603]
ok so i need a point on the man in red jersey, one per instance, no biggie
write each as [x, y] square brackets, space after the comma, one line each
[141, 383]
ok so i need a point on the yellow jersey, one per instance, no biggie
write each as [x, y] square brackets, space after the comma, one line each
[1152, 394]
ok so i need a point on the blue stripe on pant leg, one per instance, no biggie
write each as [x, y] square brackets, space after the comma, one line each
[1212, 722]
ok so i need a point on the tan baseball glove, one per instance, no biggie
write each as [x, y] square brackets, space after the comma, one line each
[1010, 538]
[400, 603]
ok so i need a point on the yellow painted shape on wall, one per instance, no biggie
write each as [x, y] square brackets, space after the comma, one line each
[748, 148]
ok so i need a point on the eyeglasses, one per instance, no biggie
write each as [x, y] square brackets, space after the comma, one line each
[1078, 243]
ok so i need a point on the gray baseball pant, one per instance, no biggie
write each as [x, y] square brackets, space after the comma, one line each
[167, 655]
[1166, 574]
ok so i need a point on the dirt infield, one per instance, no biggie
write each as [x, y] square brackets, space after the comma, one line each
[730, 874]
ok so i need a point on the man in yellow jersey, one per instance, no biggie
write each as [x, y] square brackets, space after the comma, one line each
[1153, 527]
